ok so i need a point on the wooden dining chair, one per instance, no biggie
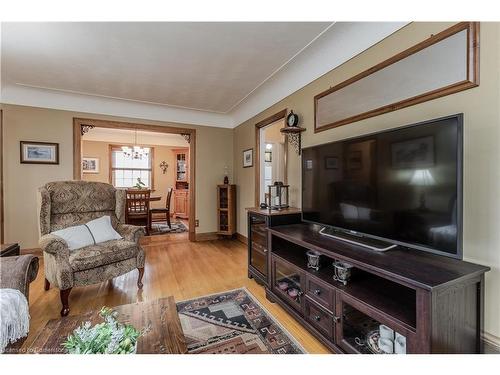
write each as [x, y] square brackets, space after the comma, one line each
[162, 213]
[137, 207]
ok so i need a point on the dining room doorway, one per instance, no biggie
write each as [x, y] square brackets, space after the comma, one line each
[132, 155]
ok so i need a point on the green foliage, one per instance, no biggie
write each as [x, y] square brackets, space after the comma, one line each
[109, 337]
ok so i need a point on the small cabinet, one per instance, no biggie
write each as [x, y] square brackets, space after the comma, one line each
[181, 203]
[288, 281]
[226, 210]
[259, 220]
[181, 165]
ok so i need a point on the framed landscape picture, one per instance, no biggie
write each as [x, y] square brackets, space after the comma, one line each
[90, 165]
[39, 152]
[248, 158]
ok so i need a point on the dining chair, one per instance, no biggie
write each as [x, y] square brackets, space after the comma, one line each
[137, 207]
[162, 211]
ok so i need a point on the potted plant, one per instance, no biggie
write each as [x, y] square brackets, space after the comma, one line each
[109, 337]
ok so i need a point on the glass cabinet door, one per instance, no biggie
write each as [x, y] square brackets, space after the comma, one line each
[358, 331]
[288, 281]
[258, 243]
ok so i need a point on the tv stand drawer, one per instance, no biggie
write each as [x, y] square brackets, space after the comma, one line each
[320, 292]
[319, 317]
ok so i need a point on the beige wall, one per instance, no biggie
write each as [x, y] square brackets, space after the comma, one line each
[99, 150]
[161, 182]
[481, 108]
[213, 151]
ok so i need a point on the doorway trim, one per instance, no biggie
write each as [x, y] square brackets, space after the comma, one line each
[261, 124]
[79, 124]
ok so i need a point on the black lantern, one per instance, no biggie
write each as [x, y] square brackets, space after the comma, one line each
[278, 195]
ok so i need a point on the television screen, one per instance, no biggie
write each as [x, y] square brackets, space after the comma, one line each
[401, 185]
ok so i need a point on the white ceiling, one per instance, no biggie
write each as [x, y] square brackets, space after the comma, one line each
[216, 74]
[124, 136]
[204, 66]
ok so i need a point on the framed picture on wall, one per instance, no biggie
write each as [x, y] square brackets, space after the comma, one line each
[248, 158]
[39, 152]
[90, 165]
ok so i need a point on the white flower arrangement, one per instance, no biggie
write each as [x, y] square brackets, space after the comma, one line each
[109, 337]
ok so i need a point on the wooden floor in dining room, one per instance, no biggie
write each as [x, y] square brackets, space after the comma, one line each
[174, 266]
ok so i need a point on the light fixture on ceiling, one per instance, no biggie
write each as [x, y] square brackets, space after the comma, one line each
[136, 151]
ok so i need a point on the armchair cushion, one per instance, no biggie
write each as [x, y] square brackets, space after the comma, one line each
[75, 237]
[102, 254]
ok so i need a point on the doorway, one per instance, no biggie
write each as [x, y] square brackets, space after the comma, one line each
[156, 164]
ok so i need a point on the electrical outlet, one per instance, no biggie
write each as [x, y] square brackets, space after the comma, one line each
[196, 223]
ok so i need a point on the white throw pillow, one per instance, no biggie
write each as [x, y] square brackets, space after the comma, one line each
[102, 230]
[76, 237]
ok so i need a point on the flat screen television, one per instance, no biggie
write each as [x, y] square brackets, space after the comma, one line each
[403, 185]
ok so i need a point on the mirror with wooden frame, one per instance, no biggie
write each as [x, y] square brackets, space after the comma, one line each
[271, 154]
[445, 63]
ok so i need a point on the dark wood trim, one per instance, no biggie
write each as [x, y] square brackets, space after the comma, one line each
[472, 76]
[242, 238]
[267, 121]
[77, 153]
[207, 236]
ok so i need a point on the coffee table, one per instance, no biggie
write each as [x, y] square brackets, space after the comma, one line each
[159, 318]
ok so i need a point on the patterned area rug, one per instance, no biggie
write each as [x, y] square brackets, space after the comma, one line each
[162, 227]
[233, 322]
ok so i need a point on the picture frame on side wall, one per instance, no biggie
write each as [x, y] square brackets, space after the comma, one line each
[248, 158]
[90, 165]
[39, 152]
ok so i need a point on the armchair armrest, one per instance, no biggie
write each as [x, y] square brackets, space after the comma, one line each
[18, 272]
[130, 232]
[53, 244]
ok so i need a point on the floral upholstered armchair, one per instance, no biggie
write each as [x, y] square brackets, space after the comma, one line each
[68, 203]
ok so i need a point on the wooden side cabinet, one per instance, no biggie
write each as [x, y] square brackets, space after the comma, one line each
[226, 210]
[259, 221]
[181, 203]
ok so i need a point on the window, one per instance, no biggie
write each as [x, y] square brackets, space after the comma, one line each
[126, 170]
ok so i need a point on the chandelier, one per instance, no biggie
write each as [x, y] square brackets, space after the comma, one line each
[136, 151]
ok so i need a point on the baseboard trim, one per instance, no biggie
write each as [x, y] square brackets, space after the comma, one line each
[491, 343]
[242, 238]
[208, 236]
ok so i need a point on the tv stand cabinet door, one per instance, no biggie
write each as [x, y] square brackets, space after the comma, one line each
[286, 280]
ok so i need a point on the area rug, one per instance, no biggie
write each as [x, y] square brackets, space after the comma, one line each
[162, 227]
[233, 322]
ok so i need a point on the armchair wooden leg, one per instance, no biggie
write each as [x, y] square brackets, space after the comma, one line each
[64, 300]
[47, 285]
[139, 280]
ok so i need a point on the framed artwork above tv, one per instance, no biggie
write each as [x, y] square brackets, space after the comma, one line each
[443, 64]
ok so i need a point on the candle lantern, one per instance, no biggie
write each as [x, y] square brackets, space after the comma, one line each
[278, 196]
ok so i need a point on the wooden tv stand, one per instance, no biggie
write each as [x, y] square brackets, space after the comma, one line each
[436, 302]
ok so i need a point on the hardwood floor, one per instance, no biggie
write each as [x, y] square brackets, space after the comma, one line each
[174, 266]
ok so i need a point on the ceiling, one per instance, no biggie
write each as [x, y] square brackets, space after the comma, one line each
[209, 66]
[125, 136]
[203, 73]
